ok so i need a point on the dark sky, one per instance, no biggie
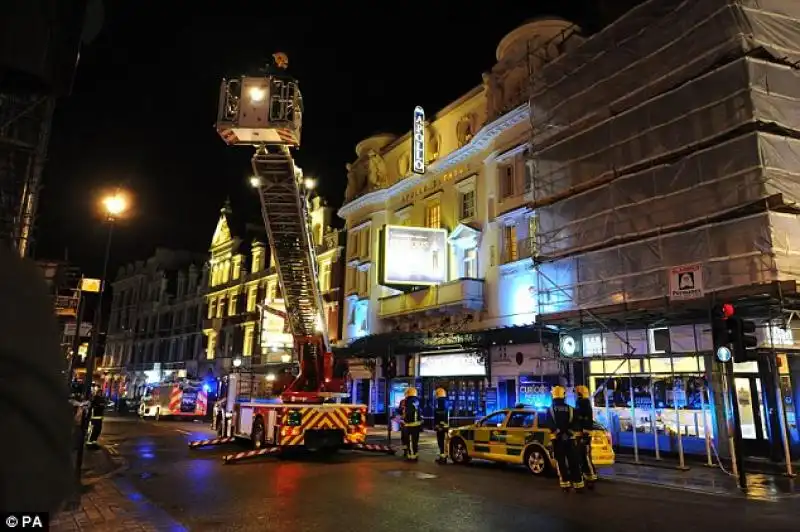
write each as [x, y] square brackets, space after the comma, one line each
[144, 103]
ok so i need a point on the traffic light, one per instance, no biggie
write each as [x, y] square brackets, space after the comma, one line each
[719, 325]
[741, 334]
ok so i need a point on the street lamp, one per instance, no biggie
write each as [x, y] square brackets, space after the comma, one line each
[310, 183]
[237, 362]
[255, 181]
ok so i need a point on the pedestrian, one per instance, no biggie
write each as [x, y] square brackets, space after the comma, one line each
[97, 410]
[441, 420]
[585, 414]
[563, 428]
[413, 423]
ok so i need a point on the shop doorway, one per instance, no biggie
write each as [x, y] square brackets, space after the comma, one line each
[753, 415]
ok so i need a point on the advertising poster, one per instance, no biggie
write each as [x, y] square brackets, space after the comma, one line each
[414, 256]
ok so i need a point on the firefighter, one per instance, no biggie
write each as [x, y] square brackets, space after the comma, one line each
[563, 426]
[413, 423]
[401, 410]
[441, 422]
[585, 415]
[97, 409]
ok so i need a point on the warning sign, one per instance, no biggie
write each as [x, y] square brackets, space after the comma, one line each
[686, 282]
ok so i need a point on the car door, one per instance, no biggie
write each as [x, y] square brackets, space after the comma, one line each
[490, 432]
[518, 427]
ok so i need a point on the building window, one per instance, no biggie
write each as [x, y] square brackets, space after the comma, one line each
[249, 334]
[433, 217]
[226, 272]
[470, 264]
[533, 229]
[212, 345]
[506, 183]
[528, 176]
[365, 235]
[510, 243]
[352, 244]
[221, 307]
[363, 283]
[252, 294]
[325, 276]
[467, 205]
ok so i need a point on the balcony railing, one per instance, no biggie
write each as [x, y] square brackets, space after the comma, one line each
[526, 248]
[463, 293]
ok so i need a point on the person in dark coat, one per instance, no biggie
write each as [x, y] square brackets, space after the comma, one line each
[37, 474]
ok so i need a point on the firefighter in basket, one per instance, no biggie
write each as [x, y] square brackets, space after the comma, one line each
[583, 408]
[564, 427]
[441, 422]
[412, 423]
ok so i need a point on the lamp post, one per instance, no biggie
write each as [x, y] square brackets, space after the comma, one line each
[113, 207]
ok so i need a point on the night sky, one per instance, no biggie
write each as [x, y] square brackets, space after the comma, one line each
[144, 102]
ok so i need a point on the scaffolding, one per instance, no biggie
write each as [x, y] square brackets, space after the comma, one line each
[670, 138]
[24, 134]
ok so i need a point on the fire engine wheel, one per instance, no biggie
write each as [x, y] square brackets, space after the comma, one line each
[537, 460]
[458, 452]
[259, 434]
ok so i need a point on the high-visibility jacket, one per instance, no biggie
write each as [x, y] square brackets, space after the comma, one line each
[440, 417]
[411, 415]
[563, 420]
[585, 414]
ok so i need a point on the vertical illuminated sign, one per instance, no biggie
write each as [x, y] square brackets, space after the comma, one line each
[418, 140]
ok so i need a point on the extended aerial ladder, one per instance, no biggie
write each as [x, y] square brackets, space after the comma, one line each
[266, 112]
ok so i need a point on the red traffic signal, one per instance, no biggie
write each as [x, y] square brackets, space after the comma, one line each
[727, 310]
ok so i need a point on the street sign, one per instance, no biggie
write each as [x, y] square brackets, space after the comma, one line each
[686, 282]
[723, 354]
[91, 285]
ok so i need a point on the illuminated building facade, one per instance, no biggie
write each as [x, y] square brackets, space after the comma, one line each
[244, 307]
[154, 324]
[438, 241]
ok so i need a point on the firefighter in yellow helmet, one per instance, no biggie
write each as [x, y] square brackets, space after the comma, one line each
[401, 411]
[563, 427]
[583, 409]
[412, 421]
[441, 421]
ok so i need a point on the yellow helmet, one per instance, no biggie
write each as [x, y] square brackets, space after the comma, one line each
[559, 392]
[440, 393]
[582, 391]
[411, 392]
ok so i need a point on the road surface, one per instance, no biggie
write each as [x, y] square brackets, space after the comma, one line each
[377, 493]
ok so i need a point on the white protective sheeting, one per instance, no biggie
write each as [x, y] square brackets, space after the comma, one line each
[652, 135]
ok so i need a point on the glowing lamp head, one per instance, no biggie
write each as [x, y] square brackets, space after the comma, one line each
[270, 377]
[115, 205]
[255, 181]
[257, 94]
[310, 183]
[237, 362]
[286, 358]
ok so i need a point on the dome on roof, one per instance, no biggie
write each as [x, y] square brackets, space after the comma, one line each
[540, 28]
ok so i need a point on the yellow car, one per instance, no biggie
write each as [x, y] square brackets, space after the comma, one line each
[518, 436]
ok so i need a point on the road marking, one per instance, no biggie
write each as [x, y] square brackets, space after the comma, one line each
[183, 432]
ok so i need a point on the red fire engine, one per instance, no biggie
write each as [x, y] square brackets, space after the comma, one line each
[265, 111]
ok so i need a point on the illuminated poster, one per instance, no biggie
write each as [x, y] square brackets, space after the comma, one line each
[414, 255]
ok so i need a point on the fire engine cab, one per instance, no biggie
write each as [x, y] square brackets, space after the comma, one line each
[179, 399]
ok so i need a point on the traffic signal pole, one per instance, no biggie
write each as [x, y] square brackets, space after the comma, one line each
[737, 455]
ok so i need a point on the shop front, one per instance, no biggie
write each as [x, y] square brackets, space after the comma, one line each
[464, 376]
[523, 374]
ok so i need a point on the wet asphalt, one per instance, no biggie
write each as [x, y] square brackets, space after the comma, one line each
[364, 492]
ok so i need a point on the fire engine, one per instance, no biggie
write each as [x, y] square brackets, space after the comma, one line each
[179, 399]
[266, 112]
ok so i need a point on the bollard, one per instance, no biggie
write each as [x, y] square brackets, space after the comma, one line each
[244, 455]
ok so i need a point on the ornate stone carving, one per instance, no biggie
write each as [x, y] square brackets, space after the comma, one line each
[494, 94]
[465, 129]
[376, 173]
[355, 180]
